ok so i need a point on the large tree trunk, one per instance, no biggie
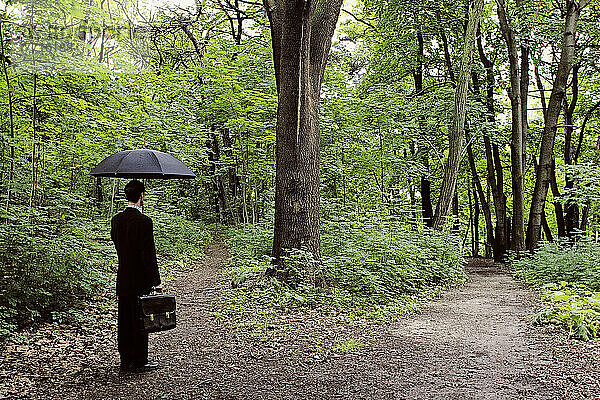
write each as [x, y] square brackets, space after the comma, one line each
[458, 120]
[516, 144]
[301, 32]
[554, 108]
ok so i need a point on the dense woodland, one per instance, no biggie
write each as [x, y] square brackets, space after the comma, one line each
[358, 174]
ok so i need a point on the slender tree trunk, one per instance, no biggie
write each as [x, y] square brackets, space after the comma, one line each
[426, 205]
[586, 119]
[495, 173]
[554, 107]
[571, 210]
[11, 168]
[301, 33]
[99, 193]
[546, 227]
[487, 215]
[475, 224]
[34, 154]
[214, 156]
[584, 217]
[446, 48]
[458, 120]
[524, 87]
[542, 91]
[558, 208]
[455, 220]
[516, 147]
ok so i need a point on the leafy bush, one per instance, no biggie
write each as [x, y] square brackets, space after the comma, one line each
[178, 238]
[568, 278]
[42, 276]
[577, 262]
[572, 307]
[371, 265]
[51, 267]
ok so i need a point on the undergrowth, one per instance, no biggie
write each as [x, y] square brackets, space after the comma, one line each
[52, 267]
[567, 276]
[372, 267]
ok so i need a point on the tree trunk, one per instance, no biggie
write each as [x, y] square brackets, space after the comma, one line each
[301, 33]
[11, 168]
[558, 208]
[455, 220]
[495, 173]
[99, 193]
[458, 121]
[554, 107]
[476, 224]
[478, 193]
[214, 155]
[524, 87]
[571, 210]
[516, 145]
[426, 206]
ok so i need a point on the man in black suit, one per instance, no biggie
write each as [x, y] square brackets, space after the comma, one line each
[132, 234]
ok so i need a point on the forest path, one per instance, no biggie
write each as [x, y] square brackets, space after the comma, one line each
[472, 343]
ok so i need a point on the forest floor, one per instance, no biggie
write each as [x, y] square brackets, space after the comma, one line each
[471, 343]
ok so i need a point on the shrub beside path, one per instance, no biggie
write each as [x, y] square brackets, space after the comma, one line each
[472, 343]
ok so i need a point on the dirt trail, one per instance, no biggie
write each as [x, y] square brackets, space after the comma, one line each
[472, 343]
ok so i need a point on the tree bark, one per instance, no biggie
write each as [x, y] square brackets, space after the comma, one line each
[476, 225]
[426, 205]
[558, 208]
[524, 87]
[550, 124]
[11, 168]
[495, 173]
[478, 193]
[516, 145]
[214, 155]
[458, 120]
[301, 32]
[571, 210]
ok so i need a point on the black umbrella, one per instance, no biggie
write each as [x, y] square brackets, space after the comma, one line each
[143, 163]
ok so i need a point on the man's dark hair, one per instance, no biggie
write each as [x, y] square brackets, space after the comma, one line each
[134, 190]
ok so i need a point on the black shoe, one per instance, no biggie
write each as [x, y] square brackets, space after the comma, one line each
[149, 366]
[127, 367]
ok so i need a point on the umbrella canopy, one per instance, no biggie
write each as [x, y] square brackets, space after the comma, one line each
[143, 163]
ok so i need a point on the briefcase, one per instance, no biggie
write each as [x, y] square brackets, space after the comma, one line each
[157, 312]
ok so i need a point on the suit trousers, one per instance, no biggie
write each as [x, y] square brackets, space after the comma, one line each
[133, 341]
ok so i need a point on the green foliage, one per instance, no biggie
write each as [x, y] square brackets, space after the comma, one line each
[568, 278]
[44, 274]
[573, 307]
[371, 266]
[51, 265]
[577, 262]
[347, 345]
[178, 239]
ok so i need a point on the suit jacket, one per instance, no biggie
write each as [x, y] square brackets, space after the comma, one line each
[132, 233]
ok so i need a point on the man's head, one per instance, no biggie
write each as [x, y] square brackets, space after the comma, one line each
[134, 191]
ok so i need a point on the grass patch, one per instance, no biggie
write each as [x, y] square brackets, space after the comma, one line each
[347, 345]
